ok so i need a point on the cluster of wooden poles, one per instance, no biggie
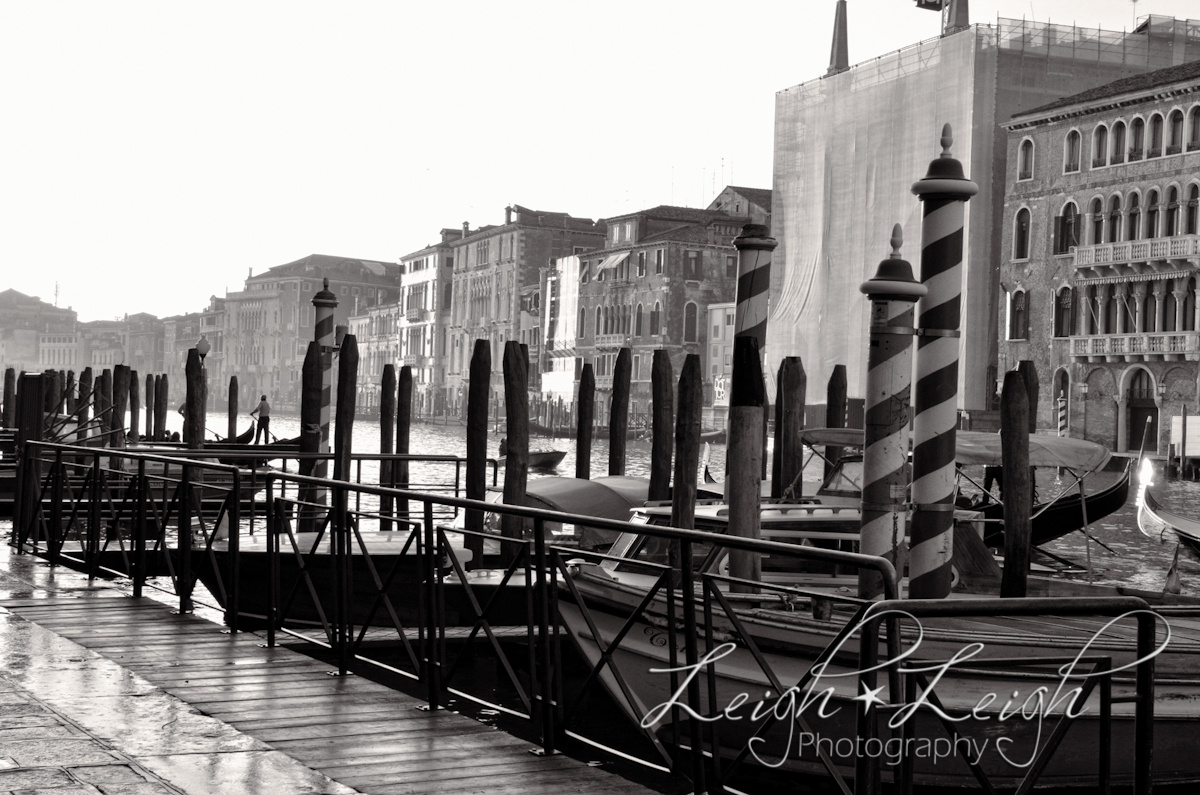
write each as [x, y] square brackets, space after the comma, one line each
[94, 407]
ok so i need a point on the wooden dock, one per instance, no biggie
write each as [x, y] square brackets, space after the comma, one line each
[356, 732]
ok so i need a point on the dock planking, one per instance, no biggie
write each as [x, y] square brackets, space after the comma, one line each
[357, 732]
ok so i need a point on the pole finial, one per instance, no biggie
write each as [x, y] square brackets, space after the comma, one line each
[947, 139]
[897, 240]
[325, 281]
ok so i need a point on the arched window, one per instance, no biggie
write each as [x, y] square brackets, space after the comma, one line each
[1025, 161]
[1021, 235]
[1194, 137]
[689, 322]
[1114, 219]
[1066, 231]
[1018, 326]
[1137, 139]
[655, 318]
[1172, 213]
[637, 322]
[1100, 147]
[1118, 143]
[1189, 306]
[1193, 210]
[582, 331]
[599, 322]
[1071, 153]
[1097, 213]
[1133, 217]
[1152, 214]
[1062, 313]
[1175, 132]
[1156, 136]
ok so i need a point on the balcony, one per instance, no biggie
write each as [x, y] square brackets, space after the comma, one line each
[1160, 254]
[611, 340]
[1171, 346]
[416, 360]
[416, 315]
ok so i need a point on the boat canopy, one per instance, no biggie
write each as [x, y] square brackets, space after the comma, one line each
[976, 448]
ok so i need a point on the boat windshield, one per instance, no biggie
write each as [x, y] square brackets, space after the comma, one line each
[845, 480]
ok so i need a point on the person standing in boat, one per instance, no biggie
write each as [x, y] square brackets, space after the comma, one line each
[264, 420]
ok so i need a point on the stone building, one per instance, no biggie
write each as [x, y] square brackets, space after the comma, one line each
[24, 320]
[650, 287]
[495, 269]
[426, 294]
[1100, 252]
[850, 144]
[267, 326]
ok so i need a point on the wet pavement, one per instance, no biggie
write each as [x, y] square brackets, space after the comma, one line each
[72, 721]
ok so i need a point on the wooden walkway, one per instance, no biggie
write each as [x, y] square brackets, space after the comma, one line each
[357, 732]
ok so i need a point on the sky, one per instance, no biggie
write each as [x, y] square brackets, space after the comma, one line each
[153, 154]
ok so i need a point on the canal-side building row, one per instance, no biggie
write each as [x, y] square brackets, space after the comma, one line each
[1101, 249]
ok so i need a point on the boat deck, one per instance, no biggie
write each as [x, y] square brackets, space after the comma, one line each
[362, 735]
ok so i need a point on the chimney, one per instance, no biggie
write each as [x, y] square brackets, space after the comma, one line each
[839, 55]
[955, 17]
[466, 230]
[508, 215]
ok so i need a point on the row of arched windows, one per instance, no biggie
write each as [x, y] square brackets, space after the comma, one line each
[1120, 219]
[1119, 142]
[1160, 306]
[628, 320]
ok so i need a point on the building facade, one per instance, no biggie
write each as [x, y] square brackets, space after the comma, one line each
[650, 287]
[24, 322]
[849, 146]
[426, 295]
[1101, 250]
[494, 271]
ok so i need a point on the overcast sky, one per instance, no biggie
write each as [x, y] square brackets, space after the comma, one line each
[152, 153]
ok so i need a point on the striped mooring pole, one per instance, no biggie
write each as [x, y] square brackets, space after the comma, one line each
[1062, 414]
[893, 292]
[754, 247]
[323, 332]
[944, 193]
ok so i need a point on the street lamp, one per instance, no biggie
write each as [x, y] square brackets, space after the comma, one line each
[202, 348]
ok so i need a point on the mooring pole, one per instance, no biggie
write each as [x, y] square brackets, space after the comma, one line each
[135, 403]
[231, 427]
[787, 480]
[662, 404]
[120, 405]
[387, 430]
[943, 193]
[618, 423]
[10, 397]
[310, 434]
[835, 411]
[404, 402]
[583, 432]
[743, 462]
[342, 448]
[893, 292]
[149, 406]
[86, 401]
[324, 303]
[516, 463]
[1018, 495]
[477, 450]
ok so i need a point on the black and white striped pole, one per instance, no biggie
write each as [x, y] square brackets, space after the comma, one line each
[324, 303]
[944, 193]
[893, 292]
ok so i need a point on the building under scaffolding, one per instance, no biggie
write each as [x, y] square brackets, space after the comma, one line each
[849, 145]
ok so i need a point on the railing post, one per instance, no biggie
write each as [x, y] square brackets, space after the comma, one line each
[866, 766]
[139, 530]
[429, 558]
[692, 658]
[341, 559]
[1143, 761]
[546, 677]
[273, 529]
[54, 537]
[233, 546]
[184, 540]
[93, 533]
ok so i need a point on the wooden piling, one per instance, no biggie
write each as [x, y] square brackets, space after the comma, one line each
[687, 443]
[193, 412]
[835, 411]
[150, 406]
[135, 405]
[310, 432]
[162, 403]
[30, 427]
[583, 428]
[618, 423]
[69, 392]
[661, 389]
[404, 402]
[516, 464]
[343, 423]
[1029, 372]
[477, 450]
[120, 405]
[231, 429]
[387, 439]
[743, 463]
[1018, 494]
[788, 461]
[104, 399]
[49, 393]
[10, 397]
[87, 400]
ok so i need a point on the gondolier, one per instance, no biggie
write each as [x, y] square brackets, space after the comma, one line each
[264, 420]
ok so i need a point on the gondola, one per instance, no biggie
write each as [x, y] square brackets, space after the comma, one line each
[1159, 524]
